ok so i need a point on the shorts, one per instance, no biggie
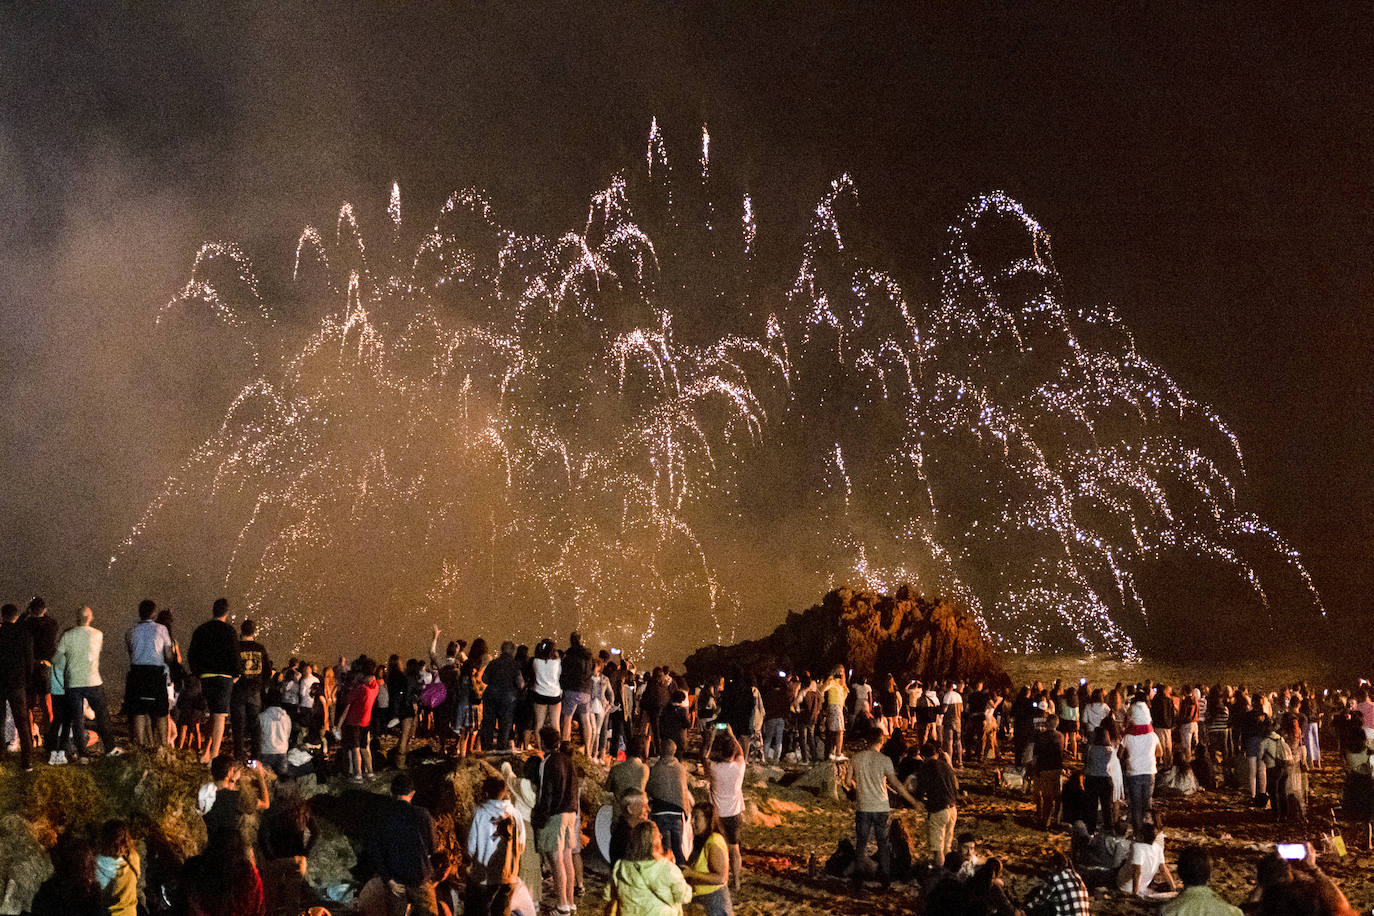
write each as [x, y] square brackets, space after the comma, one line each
[217, 688]
[354, 736]
[573, 700]
[834, 718]
[729, 827]
[467, 717]
[542, 700]
[146, 691]
[1068, 726]
[561, 832]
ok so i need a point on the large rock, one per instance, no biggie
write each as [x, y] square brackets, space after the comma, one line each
[24, 864]
[905, 635]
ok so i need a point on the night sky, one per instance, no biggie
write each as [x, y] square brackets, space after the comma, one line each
[1206, 172]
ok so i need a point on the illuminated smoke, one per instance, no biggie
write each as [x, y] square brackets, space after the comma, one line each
[508, 434]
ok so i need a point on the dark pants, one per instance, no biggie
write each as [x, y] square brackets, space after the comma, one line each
[18, 700]
[76, 696]
[59, 731]
[498, 719]
[1278, 798]
[1099, 789]
[619, 733]
[243, 719]
[669, 821]
[1140, 792]
[874, 822]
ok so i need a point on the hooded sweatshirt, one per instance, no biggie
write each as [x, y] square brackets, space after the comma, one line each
[653, 887]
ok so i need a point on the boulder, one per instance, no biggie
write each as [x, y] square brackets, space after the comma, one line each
[24, 864]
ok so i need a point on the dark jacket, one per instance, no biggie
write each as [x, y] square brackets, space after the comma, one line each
[16, 656]
[503, 675]
[558, 790]
[402, 843]
[214, 649]
[936, 784]
[43, 632]
[576, 672]
[254, 667]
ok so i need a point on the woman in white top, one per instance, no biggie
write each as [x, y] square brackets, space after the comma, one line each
[1145, 862]
[725, 764]
[548, 695]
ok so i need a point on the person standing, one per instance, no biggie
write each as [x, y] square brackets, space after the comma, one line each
[150, 650]
[938, 789]
[834, 695]
[1140, 753]
[214, 659]
[504, 683]
[43, 632]
[77, 659]
[872, 775]
[16, 674]
[401, 846]
[548, 693]
[575, 678]
[254, 670]
[953, 704]
[725, 765]
[555, 817]
[670, 801]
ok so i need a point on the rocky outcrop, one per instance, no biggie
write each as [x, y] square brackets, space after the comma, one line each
[905, 635]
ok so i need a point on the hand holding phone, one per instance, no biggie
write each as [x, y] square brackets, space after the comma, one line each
[1293, 851]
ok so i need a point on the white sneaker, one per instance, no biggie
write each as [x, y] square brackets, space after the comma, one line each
[115, 752]
[52, 758]
[393, 723]
[61, 758]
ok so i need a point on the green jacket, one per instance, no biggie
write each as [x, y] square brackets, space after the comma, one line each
[654, 887]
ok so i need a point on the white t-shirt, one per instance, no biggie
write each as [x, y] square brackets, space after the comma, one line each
[291, 691]
[727, 787]
[307, 682]
[276, 731]
[546, 671]
[1149, 856]
[953, 697]
[1140, 753]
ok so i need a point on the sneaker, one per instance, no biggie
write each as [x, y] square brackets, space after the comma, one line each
[52, 759]
[60, 758]
[115, 752]
[393, 723]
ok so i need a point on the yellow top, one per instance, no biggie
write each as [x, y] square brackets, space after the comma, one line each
[701, 864]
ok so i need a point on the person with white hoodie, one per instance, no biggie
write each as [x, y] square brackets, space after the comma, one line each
[496, 822]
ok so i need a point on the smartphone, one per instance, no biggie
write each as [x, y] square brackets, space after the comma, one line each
[1293, 850]
[615, 651]
[252, 764]
[1082, 682]
[782, 674]
[722, 726]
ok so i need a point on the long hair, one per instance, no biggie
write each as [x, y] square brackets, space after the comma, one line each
[713, 824]
[644, 842]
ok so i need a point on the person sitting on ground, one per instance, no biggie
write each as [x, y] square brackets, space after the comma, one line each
[969, 859]
[117, 869]
[73, 889]
[1099, 857]
[1295, 887]
[222, 801]
[985, 892]
[647, 882]
[1147, 860]
[224, 879]
[1197, 899]
[1062, 892]
[274, 731]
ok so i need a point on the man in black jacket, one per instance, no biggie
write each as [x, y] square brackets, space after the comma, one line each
[214, 658]
[43, 631]
[254, 671]
[575, 677]
[400, 848]
[16, 672]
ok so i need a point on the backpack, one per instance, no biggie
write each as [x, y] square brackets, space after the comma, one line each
[433, 696]
[491, 886]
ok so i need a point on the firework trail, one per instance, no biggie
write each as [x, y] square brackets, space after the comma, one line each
[526, 435]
